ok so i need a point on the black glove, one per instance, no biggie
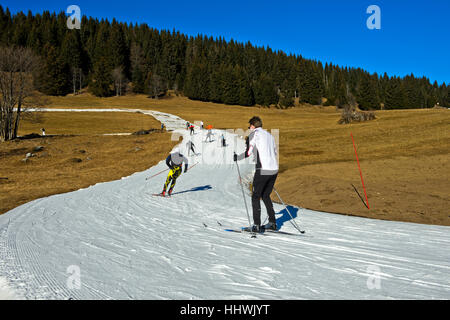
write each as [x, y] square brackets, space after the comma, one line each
[235, 157]
[185, 168]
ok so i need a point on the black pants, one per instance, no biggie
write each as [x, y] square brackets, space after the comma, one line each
[262, 188]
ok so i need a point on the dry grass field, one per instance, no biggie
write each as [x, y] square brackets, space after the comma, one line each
[80, 158]
[404, 155]
[86, 123]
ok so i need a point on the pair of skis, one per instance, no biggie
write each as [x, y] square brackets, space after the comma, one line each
[263, 231]
[248, 229]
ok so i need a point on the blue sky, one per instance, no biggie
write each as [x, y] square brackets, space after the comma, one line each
[414, 35]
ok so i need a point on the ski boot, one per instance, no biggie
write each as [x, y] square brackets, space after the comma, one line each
[270, 226]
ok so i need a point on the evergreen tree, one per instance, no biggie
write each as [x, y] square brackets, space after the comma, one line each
[287, 95]
[117, 46]
[101, 82]
[72, 53]
[230, 85]
[103, 48]
[311, 85]
[137, 67]
[215, 84]
[394, 94]
[340, 92]
[367, 96]
[197, 84]
[265, 91]
[138, 80]
[54, 77]
[246, 97]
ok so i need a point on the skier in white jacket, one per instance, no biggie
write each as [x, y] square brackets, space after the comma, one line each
[262, 144]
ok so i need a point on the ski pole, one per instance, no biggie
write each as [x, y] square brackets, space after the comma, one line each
[292, 221]
[245, 202]
[193, 166]
[157, 174]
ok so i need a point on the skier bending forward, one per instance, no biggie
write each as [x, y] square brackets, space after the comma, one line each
[262, 145]
[174, 161]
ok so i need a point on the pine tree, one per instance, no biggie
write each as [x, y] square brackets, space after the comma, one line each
[394, 94]
[54, 77]
[102, 82]
[120, 56]
[138, 80]
[265, 91]
[367, 96]
[311, 85]
[444, 99]
[137, 67]
[197, 84]
[215, 84]
[72, 53]
[340, 92]
[287, 95]
[103, 48]
[230, 85]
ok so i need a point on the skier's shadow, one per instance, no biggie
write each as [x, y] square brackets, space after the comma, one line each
[202, 188]
[286, 216]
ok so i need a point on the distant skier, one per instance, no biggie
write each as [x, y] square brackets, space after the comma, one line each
[162, 126]
[209, 135]
[224, 143]
[190, 147]
[187, 125]
[201, 125]
[174, 161]
[43, 131]
[262, 144]
[191, 127]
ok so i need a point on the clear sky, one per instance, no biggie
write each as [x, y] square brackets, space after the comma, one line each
[414, 35]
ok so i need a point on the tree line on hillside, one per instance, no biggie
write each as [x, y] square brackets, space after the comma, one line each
[113, 58]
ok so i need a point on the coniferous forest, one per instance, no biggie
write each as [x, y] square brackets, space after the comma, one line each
[113, 58]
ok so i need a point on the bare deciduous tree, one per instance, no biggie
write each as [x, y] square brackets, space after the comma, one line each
[77, 76]
[156, 85]
[16, 84]
[119, 80]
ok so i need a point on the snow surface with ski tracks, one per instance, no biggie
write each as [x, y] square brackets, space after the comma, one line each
[128, 244]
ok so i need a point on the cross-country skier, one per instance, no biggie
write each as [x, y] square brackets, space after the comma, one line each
[174, 161]
[262, 145]
[190, 147]
[224, 143]
[209, 135]
[191, 127]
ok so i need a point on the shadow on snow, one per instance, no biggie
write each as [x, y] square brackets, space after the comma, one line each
[286, 216]
[202, 188]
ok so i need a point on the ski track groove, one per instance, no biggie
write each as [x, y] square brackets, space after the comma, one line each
[38, 276]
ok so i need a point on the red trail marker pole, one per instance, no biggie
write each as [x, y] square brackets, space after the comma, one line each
[360, 173]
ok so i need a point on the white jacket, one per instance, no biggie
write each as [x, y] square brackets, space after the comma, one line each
[262, 144]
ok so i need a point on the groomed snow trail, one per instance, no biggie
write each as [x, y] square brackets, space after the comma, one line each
[128, 244]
